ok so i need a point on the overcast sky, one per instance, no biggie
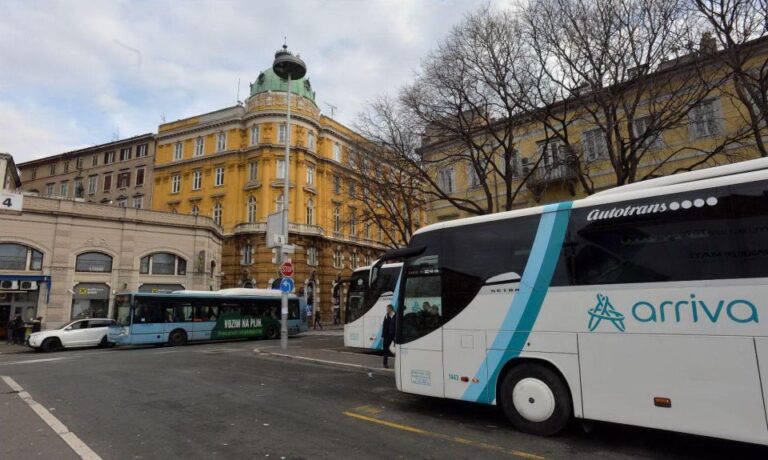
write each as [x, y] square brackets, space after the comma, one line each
[77, 73]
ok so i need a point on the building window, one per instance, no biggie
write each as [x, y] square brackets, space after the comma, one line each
[643, 131]
[78, 188]
[49, 189]
[367, 232]
[122, 202]
[221, 142]
[93, 262]
[280, 168]
[162, 263]
[138, 202]
[311, 140]
[254, 134]
[704, 119]
[282, 134]
[368, 261]
[107, 182]
[310, 212]
[66, 166]
[79, 163]
[195, 210]
[109, 158]
[311, 255]
[175, 183]
[19, 257]
[337, 219]
[594, 145]
[337, 259]
[63, 189]
[125, 154]
[337, 152]
[199, 146]
[217, 208]
[447, 180]
[336, 184]
[94, 161]
[178, 151]
[279, 203]
[353, 260]
[141, 150]
[310, 175]
[52, 169]
[352, 189]
[124, 179]
[33, 173]
[197, 179]
[253, 170]
[251, 210]
[352, 222]
[139, 176]
[247, 254]
[219, 177]
[93, 184]
[553, 153]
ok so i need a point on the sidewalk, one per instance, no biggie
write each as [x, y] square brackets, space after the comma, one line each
[6, 349]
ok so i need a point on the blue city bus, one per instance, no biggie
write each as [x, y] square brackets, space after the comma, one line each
[191, 316]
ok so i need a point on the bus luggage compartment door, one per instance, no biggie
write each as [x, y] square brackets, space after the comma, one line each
[465, 378]
[421, 365]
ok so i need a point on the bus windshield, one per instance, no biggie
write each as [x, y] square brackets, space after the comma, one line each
[122, 311]
[358, 284]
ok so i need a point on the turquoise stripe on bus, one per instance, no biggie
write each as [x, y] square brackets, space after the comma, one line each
[378, 343]
[522, 313]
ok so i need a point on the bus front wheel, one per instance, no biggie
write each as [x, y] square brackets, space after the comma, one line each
[177, 338]
[536, 399]
[273, 332]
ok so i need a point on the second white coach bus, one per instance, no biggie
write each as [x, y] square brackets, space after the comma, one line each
[367, 304]
[645, 307]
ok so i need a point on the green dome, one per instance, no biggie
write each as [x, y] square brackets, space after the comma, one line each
[268, 81]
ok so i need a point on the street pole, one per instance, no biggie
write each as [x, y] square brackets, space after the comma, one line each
[286, 191]
[289, 67]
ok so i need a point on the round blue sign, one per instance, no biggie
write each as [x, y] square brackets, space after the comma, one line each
[286, 284]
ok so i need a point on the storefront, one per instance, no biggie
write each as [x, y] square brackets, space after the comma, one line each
[90, 300]
[19, 295]
[160, 288]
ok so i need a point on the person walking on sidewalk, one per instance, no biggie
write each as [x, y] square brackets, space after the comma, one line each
[9, 330]
[388, 332]
[317, 320]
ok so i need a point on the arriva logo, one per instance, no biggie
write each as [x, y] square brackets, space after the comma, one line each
[677, 311]
[604, 310]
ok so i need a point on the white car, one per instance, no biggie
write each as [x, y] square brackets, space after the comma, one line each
[89, 332]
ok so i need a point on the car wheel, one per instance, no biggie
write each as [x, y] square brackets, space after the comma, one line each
[273, 332]
[103, 343]
[51, 344]
[536, 399]
[177, 338]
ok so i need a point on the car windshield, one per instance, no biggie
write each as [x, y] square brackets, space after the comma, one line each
[122, 311]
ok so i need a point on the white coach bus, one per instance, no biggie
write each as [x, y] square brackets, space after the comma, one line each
[646, 306]
[367, 304]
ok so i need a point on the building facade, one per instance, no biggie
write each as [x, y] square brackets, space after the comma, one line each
[65, 259]
[229, 165]
[117, 173]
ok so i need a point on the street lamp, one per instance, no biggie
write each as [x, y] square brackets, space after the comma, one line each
[288, 67]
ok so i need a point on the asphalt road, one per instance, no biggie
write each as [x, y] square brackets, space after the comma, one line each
[225, 400]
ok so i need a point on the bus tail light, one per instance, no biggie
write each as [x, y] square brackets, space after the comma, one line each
[662, 402]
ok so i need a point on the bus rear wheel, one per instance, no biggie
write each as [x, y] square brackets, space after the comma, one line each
[536, 399]
[177, 338]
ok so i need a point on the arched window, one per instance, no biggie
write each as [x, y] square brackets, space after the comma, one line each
[310, 212]
[19, 257]
[93, 262]
[217, 213]
[251, 210]
[163, 263]
[279, 203]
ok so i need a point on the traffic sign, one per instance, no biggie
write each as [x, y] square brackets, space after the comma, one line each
[286, 284]
[286, 269]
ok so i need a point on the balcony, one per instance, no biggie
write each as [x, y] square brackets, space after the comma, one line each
[561, 173]
[297, 229]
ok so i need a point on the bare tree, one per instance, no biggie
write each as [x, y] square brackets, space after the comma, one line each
[616, 65]
[465, 101]
[737, 26]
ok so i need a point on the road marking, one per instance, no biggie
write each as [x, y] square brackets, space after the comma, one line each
[456, 439]
[323, 361]
[31, 361]
[59, 428]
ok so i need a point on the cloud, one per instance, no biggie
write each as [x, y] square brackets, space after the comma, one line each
[74, 72]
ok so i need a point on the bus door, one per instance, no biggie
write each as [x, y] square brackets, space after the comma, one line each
[147, 325]
[420, 335]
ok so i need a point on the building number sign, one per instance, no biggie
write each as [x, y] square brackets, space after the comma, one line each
[11, 201]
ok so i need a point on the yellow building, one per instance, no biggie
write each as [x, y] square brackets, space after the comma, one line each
[713, 130]
[229, 165]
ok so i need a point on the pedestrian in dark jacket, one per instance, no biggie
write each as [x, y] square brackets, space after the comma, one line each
[20, 330]
[317, 319]
[388, 332]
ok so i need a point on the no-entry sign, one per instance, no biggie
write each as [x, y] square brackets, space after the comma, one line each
[286, 269]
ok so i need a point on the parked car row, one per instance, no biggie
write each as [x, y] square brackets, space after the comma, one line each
[89, 332]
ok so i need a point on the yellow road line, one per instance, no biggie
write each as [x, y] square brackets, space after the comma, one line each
[456, 439]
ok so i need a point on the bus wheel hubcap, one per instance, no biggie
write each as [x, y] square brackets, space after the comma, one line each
[533, 399]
